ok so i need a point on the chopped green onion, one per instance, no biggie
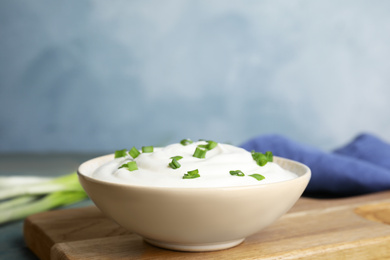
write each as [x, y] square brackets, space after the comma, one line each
[270, 156]
[199, 153]
[262, 159]
[147, 149]
[258, 177]
[186, 142]
[131, 166]
[178, 157]
[134, 152]
[174, 164]
[237, 173]
[192, 174]
[210, 145]
[120, 153]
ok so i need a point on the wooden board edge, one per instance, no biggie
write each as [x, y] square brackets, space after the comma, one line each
[367, 249]
[81, 249]
[57, 252]
[36, 239]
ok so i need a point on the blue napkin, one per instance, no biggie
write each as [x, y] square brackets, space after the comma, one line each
[362, 166]
[368, 148]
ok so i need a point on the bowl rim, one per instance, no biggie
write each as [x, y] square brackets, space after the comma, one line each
[305, 175]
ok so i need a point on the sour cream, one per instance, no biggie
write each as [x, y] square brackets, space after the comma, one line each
[153, 168]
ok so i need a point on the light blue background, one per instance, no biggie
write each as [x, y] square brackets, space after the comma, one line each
[103, 75]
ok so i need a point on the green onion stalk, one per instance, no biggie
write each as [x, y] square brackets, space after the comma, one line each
[22, 196]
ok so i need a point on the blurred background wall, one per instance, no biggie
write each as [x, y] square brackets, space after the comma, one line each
[103, 75]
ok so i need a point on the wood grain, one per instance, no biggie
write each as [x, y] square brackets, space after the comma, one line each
[350, 228]
[379, 212]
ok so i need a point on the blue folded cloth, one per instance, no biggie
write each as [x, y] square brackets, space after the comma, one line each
[360, 167]
[368, 148]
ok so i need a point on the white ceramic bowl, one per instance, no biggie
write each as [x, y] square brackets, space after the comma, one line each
[194, 219]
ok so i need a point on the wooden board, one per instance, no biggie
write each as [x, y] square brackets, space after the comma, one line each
[349, 228]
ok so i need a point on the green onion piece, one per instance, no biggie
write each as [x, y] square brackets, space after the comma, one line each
[210, 145]
[262, 159]
[199, 153]
[192, 174]
[186, 142]
[131, 166]
[258, 177]
[270, 156]
[174, 164]
[237, 173]
[177, 157]
[120, 153]
[134, 152]
[147, 149]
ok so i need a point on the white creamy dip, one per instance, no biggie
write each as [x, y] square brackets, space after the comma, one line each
[153, 168]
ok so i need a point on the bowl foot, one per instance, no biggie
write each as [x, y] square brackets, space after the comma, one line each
[195, 247]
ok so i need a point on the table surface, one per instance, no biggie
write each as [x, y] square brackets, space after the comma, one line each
[12, 244]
